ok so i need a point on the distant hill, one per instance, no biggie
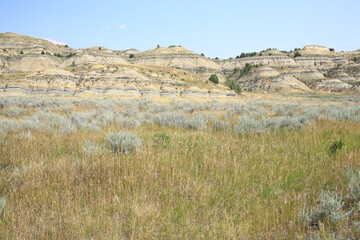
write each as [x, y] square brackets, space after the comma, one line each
[33, 66]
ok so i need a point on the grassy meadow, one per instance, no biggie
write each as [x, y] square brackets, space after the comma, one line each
[138, 169]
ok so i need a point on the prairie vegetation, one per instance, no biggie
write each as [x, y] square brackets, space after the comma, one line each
[137, 169]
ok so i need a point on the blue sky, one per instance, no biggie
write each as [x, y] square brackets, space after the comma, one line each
[216, 28]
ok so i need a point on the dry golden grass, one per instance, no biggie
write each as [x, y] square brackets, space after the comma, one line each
[200, 185]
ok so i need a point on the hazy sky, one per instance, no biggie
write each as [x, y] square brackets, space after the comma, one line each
[216, 28]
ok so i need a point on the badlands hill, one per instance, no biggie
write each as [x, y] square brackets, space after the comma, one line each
[31, 66]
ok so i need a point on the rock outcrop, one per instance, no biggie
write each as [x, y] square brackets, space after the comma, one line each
[174, 57]
[277, 84]
[195, 92]
[346, 78]
[33, 63]
[265, 72]
[333, 85]
[272, 61]
[91, 59]
[304, 74]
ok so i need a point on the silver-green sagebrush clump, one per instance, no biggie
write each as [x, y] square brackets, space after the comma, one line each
[123, 142]
[337, 215]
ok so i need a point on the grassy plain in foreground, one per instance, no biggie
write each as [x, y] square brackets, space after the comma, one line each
[66, 181]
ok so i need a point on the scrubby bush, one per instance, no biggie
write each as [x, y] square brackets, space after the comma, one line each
[9, 125]
[67, 127]
[80, 119]
[13, 112]
[244, 55]
[128, 123]
[285, 122]
[70, 55]
[297, 54]
[195, 123]
[336, 215]
[354, 186]
[330, 208]
[171, 119]
[106, 116]
[335, 146]
[131, 55]
[247, 123]
[234, 85]
[95, 125]
[245, 70]
[123, 142]
[91, 148]
[131, 112]
[214, 78]
[218, 125]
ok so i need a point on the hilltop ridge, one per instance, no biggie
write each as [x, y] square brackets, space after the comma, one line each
[36, 66]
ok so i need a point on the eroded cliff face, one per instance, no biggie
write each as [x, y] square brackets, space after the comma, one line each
[179, 58]
[317, 62]
[112, 80]
[266, 79]
[229, 65]
[32, 66]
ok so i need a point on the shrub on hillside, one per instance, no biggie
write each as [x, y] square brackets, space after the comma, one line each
[245, 70]
[234, 85]
[70, 55]
[214, 78]
[244, 55]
